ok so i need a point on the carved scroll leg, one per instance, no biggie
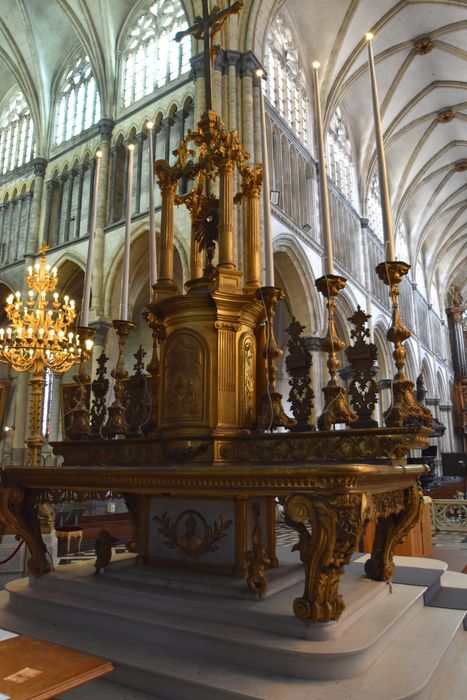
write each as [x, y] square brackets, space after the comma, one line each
[336, 526]
[136, 505]
[390, 531]
[20, 513]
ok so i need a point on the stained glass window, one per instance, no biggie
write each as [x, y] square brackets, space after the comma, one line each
[79, 105]
[286, 84]
[16, 134]
[152, 58]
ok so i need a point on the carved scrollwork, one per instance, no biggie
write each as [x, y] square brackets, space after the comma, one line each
[19, 511]
[335, 525]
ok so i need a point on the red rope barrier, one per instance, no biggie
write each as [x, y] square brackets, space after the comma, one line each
[12, 555]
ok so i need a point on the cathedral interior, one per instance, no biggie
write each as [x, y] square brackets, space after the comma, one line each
[255, 214]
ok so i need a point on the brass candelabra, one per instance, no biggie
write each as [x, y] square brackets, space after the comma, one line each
[336, 408]
[116, 422]
[405, 409]
[38, 339]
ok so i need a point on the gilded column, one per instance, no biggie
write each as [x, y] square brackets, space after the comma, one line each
[226, 171]
[168, 182]
[97, 304]
[251, 185]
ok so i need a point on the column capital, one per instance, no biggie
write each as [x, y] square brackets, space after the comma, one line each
[232, 58]
[106, 126]
[364, 222]
[313, 343]
[141, 137]
[446, 408]
[432, 402]
[197, 66]
[385, 383]
[29, 194]
[39, 165]
[168, 121]
[249, 63]
[50, 184]
[82, 168]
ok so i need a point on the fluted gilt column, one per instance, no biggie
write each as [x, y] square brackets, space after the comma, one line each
[226, 172]
[97, 301]
[168, 182]
[251, 186]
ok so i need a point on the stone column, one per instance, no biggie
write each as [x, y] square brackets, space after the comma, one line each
[113, 184]
[198, 75]
[21, 200]
[232, 61]
[49, 189]
[140, 139]
[3, 209]
[217, 84]
[21, 419]
[32, 241]
[11, 223]
[79, 205]
[97, 301]
[168, 123]
[71, 181]
[61, 186]
[247, 67]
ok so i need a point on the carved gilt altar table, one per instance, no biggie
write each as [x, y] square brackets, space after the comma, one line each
[327, 504]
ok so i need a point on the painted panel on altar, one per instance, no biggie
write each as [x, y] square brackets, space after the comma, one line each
[192, 531]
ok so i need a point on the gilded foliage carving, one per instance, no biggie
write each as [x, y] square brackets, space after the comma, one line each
[184, 377]
[247, 379]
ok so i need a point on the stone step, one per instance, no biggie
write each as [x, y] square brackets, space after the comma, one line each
[407, 669]
[222, 639]
[452, 680]
[106, 690]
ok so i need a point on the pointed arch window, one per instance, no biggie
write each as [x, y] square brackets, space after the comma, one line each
[339, 156]
[79, 105]
[152, 58]
[373, 207]
[17, 144]
[402, 247]
[286, 85]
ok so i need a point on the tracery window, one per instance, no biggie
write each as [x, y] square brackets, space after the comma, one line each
[16, 134]
[286, 83]
[402, 248]
[152, 58]
[420, 276]
[339, 156]
[79, 106]
[373, 207]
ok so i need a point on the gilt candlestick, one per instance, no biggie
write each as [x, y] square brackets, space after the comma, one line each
[80, 425]
[270, 410]
[336, 408]
[116, 422]
[405, 409]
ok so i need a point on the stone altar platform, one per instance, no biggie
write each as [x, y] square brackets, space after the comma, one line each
[167, 641]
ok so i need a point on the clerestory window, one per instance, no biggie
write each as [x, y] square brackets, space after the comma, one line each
[286, 85]
[79, 105]
[339, 157]
[16, 134]
[152, 58]
[373, 207]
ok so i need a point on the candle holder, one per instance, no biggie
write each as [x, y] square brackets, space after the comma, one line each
[405, 409]
[336, 408]
[271, 412]
[158, 335]
[100, 387]
[80, 425]
[116, 421]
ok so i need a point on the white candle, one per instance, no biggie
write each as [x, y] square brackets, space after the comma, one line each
[323, 182]
[389, 249]
[152, 218]
[268, 255]
[90, 257]
[126, 249]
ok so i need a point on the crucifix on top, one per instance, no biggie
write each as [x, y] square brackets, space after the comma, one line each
[204, 29]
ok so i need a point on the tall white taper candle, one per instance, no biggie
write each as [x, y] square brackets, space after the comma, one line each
[126, 249]
[389, 249]
[90, 258]
[268, 254]
[328, 262]
[152, 217]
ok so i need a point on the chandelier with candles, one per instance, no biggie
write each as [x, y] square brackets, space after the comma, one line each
[38, 338]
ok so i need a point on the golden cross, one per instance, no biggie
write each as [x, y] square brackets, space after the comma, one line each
[204, 29]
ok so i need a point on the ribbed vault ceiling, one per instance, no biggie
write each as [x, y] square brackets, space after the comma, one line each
[425, 152]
